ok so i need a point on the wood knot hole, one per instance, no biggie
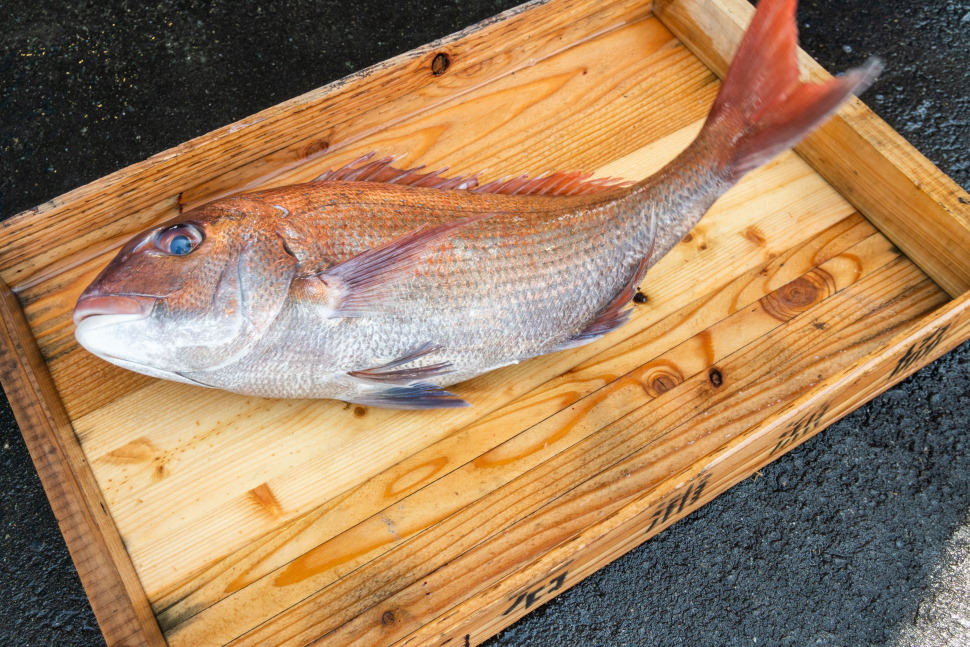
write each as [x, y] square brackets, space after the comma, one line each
[360, 412]
[639, 297]
[440, 63]
[662, 383]
[387, 618]
[715, 377]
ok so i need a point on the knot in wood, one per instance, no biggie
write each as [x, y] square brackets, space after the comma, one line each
[716, 378]
[316, 146]
[754, 234]
[387, 618]
[440, 63]
[799, 295]
[660, 379]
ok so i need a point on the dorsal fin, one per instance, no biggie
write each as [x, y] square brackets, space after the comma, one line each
[558, 183]
[363, 169]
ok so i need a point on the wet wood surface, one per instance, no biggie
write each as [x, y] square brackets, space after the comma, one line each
[247, 521]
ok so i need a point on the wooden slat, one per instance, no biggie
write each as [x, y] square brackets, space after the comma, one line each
[920, 209]
[105, 570]
[496, 607]
[685, 327]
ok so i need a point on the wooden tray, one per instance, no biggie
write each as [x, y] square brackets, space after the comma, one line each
[817, 283]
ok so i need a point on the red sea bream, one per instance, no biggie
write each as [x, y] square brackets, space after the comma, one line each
[381, 286]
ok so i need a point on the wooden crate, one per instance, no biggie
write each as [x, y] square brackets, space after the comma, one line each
[815, 284]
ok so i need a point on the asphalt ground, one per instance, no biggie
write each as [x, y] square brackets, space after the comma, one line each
[858, 537]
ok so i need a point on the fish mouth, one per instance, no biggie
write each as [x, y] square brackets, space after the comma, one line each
[92, 305]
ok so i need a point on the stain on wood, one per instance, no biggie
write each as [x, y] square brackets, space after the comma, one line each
[267, 502]
[755, 236]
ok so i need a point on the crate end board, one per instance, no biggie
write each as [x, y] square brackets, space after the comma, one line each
[589, 404]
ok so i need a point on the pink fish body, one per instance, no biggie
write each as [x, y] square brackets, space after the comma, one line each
[381, 286]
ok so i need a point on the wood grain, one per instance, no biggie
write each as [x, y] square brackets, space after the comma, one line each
[590, 479]
[322, 448]
[498, 606]
[457, 449]
[244, 521]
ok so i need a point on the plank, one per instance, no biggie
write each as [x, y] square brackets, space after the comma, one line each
[454, 450]
[925, 213]
[485, 614]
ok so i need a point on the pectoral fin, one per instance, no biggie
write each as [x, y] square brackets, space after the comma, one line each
[360, 286]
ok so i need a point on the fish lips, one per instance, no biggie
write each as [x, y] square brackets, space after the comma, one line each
[95, 312]
[131, 306]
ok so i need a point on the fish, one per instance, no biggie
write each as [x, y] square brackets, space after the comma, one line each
[382, 286]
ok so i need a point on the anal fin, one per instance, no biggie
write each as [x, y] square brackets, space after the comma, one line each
[394, 387]
[613, 315]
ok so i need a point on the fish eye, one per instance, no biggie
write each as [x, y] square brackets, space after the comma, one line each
[179, 240]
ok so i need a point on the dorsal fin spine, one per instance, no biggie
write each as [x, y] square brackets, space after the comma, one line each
[367, 169]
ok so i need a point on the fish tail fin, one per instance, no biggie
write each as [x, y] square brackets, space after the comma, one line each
[762, 108]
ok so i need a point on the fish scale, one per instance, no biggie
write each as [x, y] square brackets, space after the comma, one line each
[381, 285]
